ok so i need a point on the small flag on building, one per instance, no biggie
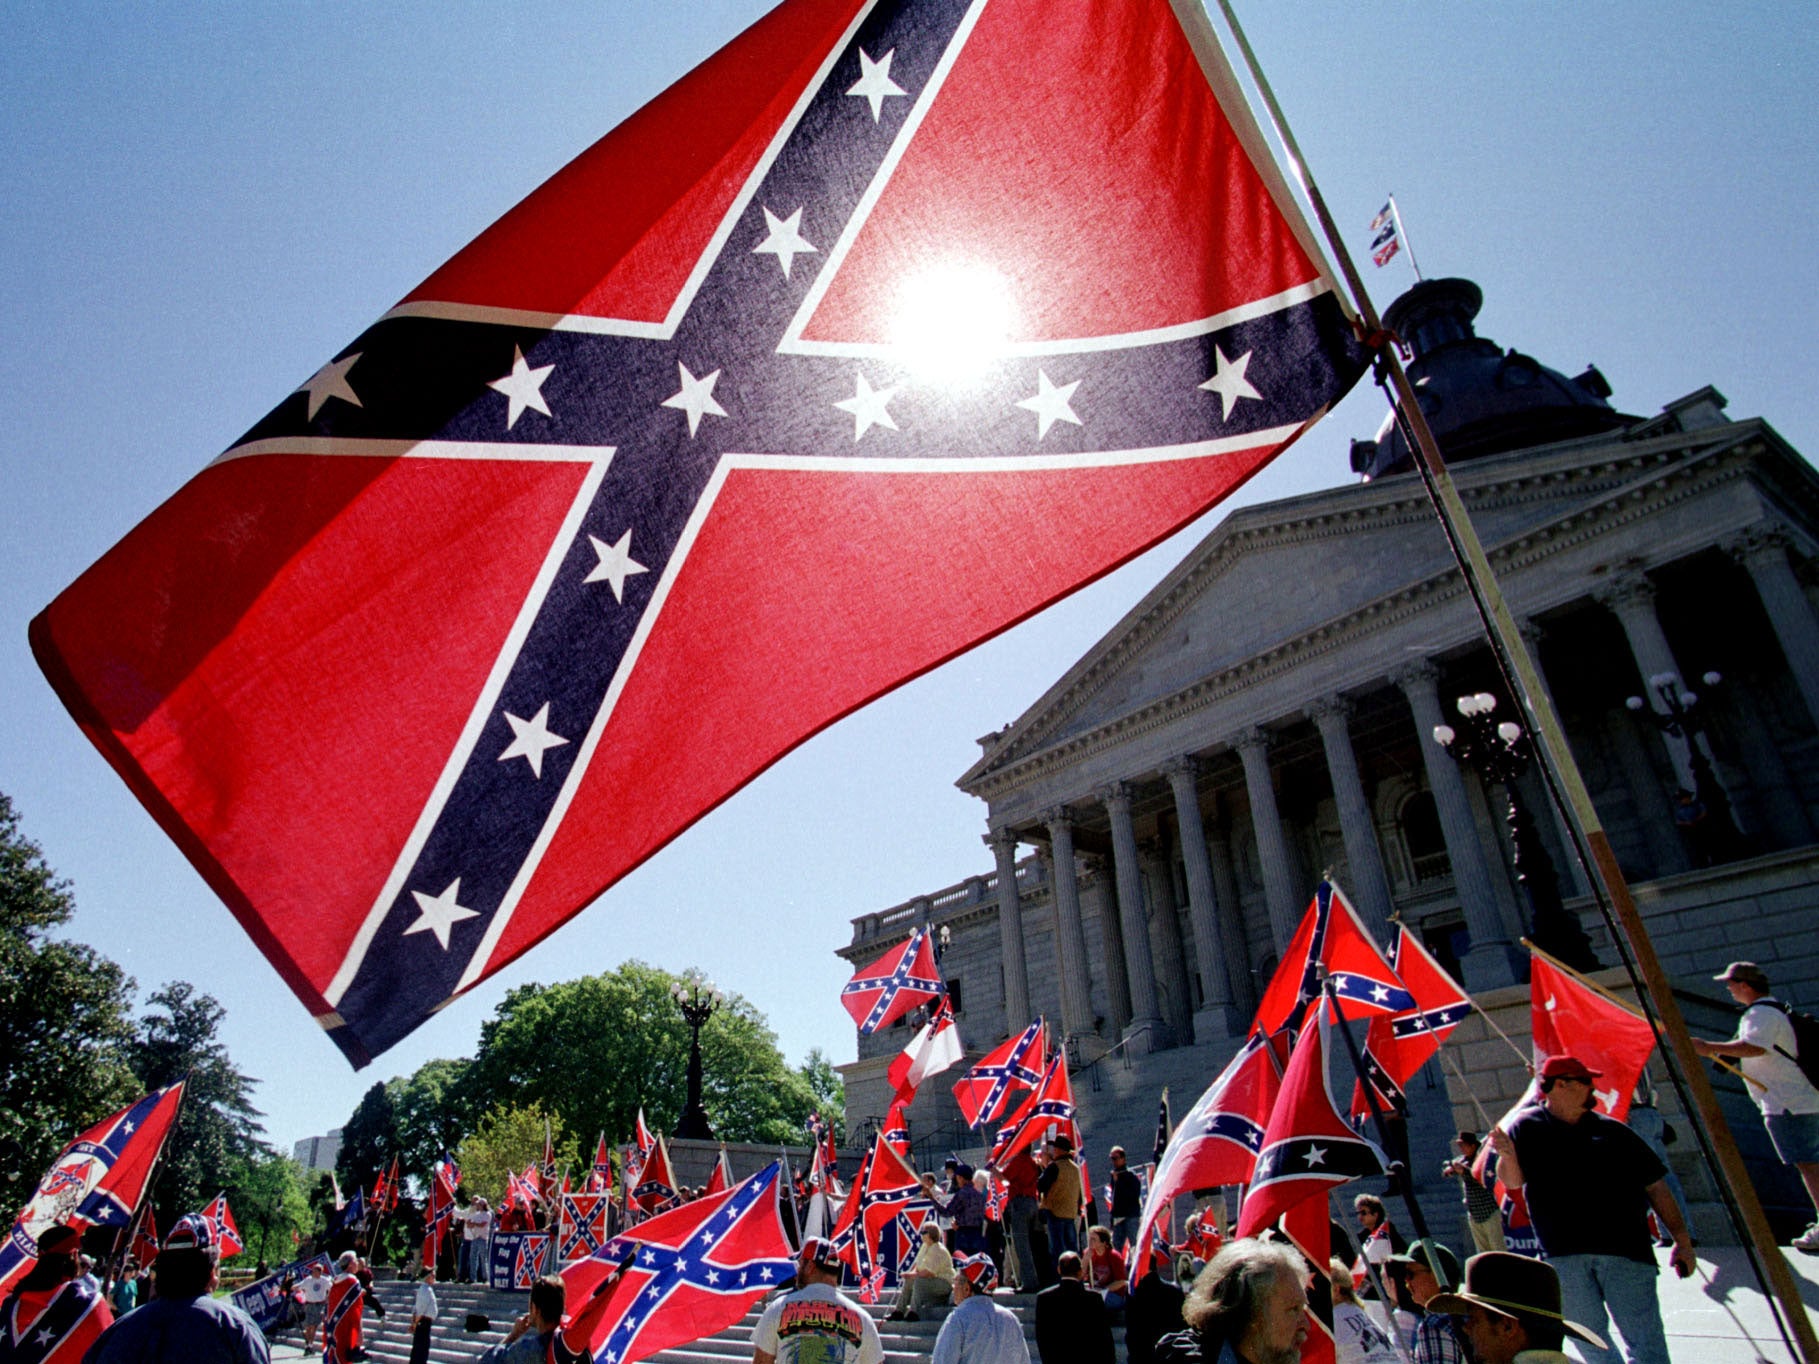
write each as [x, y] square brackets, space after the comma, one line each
[1386, 234]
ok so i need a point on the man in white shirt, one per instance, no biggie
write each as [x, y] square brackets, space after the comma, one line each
[1765, 1049]
[476, 1234]
[313, 1288]
[816, 1324]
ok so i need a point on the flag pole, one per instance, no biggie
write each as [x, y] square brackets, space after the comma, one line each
[1566, 786]
[1402, 232]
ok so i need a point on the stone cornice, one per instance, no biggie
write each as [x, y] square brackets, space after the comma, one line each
[1633, 481]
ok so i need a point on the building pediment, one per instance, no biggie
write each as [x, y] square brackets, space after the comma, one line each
[1281, 576]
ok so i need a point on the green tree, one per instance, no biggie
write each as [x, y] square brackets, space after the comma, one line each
[595, 1050]
[829, 1089]
[217, 1129]
[507, 1139]
[434, 1110]
[369, 1138]
[65, 1015]
[267, 1196]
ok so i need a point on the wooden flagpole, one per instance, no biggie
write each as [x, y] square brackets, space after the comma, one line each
[1557, 764]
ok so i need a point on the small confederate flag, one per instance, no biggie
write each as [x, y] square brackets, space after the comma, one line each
[580, 1225]
[720, 1178]
[1049, 1111]
[222, 1216]
[1307, 1147]
[1217, 1142]
[600, 1175]
[686, 1274]
[635, 493]
[985, 1090]
[656, 1186]
[879, 994]
[146, 1240]
[1397, 1045]
[1331, 940]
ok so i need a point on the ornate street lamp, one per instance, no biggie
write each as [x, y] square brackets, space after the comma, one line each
[698, 999]
[1498, 752]
[1704, 813]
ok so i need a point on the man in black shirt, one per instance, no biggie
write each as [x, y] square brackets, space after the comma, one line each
[1126, 1201]
[1590, 1183]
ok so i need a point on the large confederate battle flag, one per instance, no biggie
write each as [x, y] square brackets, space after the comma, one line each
[891, 323]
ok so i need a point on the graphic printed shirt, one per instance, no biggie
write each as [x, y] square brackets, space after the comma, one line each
[818, 1325]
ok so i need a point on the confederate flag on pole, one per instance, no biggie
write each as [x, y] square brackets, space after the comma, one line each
[638, 491]
[879, 994]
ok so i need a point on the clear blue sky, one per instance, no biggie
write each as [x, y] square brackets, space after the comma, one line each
[204, 202]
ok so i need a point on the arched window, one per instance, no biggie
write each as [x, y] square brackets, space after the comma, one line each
[1422, 839]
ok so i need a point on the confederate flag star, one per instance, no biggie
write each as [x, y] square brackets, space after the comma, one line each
[786, 241]
[616, 564]
[439, 913]
[868, 408]
[330, 382]
[1380, 992]
[1229, 383]
[523, 388]
[696, 397]
[531, 738]
[1316, 1155]
[1050, 404]
[875, 83]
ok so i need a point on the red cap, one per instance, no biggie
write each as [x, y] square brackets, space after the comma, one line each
[1567, 1068]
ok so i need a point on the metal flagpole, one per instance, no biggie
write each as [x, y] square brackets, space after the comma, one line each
[1402, 232]
[1557, 765]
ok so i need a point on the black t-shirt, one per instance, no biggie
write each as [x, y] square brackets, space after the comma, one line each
[1585, 1184]
[1127, 1193]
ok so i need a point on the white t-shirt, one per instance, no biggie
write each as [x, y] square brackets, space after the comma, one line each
[314, 1287]
[425, 1305]
[1777, 1083]
[818, 1325]
[479, 1222]
[1359, 1340]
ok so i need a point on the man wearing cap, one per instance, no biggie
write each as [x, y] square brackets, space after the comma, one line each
[1512, 1310]
[1435, 1339]
[313, 1288]
[182, 1323]
[52, 1316]
[817, 1323]
[1062, 1195]
[341, 1324]
[1590, 1183]
[978, 1331]
[1764, 1049]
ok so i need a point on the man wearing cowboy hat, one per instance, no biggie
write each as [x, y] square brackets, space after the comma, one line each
[1511, 1307]
[1590, 1183]
[1765, 1050]
[978, 1331]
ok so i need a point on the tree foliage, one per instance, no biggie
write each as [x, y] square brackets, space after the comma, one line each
[507, 1139]
[369, 1138]
[267, 1195]
[595, 1050]
[829, 1089]
[65, 1015]
[217, 1129]
[434, 1110]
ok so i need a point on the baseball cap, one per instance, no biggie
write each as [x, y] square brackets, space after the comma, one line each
[1433, 1257]
[819, 1252]
[192, 1232]
[1748, 972]
[1567, 1067]
[980, 1272]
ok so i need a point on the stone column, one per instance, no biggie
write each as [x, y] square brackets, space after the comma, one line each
[1217, 1017]
[1103, 904]
[1763, 551]
[1140, 969]
[1631, 598]
[1010, 932]
[1279, 889]
[1370, 884]
[1070, 936]
[1492, 960]
[1234, 930]
[1172, 988]
[1573, 876]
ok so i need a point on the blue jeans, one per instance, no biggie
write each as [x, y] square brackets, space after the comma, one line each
[1062, 1235]
[1591, 1283]
[1124, 1232]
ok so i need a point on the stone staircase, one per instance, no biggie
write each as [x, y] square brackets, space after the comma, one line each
[390, 1340]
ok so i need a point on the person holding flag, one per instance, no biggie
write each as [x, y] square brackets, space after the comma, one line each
[529, 1340]
[53, 1316]
[1590, 1183]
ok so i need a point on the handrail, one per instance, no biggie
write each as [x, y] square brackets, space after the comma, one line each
[1092, 1067]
